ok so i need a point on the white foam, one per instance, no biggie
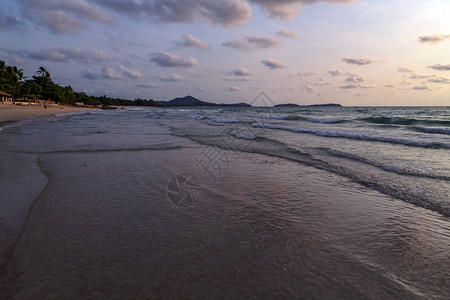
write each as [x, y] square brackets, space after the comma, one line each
[269, 117]
[324, 121]
[240, 134]
[196, 117]
[225, 120]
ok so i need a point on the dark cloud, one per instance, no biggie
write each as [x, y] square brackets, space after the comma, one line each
[389, 85]
[273, 64]
[242, 72]
[65, 55]
[8, 22]
[405, 69]
[363, 60]
[63, 16]
[421, 88]
[354, 79]
[439, 80]
[287, 9]
[308, 88]
[190, 41]
[227, 13]
[419, 76]
[171, 78]
[248, 42]
[356, 86]
[290, 34]
[433, 39]
[336, 73]
[149, 85]
[440, 67]
[233, 88]
[164, 59]
[89, 74]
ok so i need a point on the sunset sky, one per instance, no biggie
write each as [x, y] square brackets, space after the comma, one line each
[361, 52]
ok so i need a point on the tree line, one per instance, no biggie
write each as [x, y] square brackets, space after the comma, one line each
[41, 86]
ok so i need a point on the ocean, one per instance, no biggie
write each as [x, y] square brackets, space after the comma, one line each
[268, 202]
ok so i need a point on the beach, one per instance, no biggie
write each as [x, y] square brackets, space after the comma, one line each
[225, 203]
[10, 113]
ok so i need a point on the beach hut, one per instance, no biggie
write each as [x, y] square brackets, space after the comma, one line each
[5, 97]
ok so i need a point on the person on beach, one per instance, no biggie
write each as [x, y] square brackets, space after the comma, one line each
[45, 105]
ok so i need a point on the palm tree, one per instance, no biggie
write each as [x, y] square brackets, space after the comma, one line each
[2, 67]
[45, 75]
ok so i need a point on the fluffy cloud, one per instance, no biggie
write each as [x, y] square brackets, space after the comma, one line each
[248, 42]
[290, 34]
[67, 54]
[164, 59]
[242, 72]
[227, 13]
[273, 64]
[63, 16]
[354, 79]
[287, 9]
[440, 67]
[110, 73]
[420, 76]
[433, 39]
[363, 60]
[308, 88]
[171, 78]
[336, 73]
[190, 41]
[133, 74]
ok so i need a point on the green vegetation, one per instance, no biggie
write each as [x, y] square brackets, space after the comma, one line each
[41, 86]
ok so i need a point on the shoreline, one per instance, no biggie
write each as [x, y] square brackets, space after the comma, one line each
[12, 113]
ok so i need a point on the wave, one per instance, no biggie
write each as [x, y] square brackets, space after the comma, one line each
[404, 121]
[295, 118]
[325, 121]
[395, 169]
[433, 130]
[353, 135]
[196, 117]
[240, 134]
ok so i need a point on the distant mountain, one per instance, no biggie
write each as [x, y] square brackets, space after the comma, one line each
[287, 105]
[192, 101]
[292, 105]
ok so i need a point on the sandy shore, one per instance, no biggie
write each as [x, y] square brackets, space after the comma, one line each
[10, 113]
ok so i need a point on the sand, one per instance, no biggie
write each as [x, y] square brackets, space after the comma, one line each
[10, 113]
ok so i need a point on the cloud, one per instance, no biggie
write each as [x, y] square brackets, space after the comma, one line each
[404, 69]
[171, 78]
[363, 60]
[419, 76]
[65, 55]
[133, 74]
[421, 88]
[354, 79]
[110, 73]
[273, 64]
[8, 22]
[433, 39]
[389, 85]
[149, 85]
[356, 86]
[439, 80]
[233, 88]
[89, 74]
[227, 13]
[190, 41]
[290, 34]
[336, 73]
[63, 16]
[287, 9]
[164, 59]
[241, 72]
[308, 88]
[249, 42]
[440, 67]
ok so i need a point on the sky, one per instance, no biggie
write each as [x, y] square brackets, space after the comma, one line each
[352, 52]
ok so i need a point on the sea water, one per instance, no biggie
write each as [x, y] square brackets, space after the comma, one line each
[318, 202]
